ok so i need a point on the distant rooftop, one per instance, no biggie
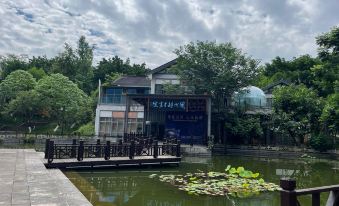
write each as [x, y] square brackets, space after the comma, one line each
[164, 66]
[132, 81]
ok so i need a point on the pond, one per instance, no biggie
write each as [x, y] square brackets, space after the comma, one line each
[133, 187]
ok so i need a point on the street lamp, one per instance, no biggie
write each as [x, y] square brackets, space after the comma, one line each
[62, 120]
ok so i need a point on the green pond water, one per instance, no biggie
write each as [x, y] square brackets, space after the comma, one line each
[133, 187]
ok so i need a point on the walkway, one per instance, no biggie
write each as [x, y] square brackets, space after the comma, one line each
[25, 181]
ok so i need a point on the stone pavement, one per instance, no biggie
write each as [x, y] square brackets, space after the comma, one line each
[24, 181]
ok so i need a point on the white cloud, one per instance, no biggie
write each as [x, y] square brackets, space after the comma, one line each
[149, 30]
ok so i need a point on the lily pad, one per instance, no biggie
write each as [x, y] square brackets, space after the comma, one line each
[233, 182]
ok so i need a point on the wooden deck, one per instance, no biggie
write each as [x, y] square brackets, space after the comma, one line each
[113, 162]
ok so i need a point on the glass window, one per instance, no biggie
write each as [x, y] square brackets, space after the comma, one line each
[131, 91]
[112, 96]
[105, 126]
[159, 89]
[135, 125]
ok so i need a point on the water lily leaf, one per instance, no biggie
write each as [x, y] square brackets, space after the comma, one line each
[240, 169]
[232, 170]
[228, 168]
[255, 175]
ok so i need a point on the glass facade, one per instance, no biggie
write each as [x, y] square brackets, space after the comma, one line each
[251, 96]
[115, 95]
[110, 126]
[112, 96]
[135, 125]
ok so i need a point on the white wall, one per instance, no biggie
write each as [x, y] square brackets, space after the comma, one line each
[163, 79]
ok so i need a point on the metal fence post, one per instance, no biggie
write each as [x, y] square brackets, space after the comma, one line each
[178, 150]
[132, 149]
[81, 151]
[50, 151]
[288, 196]
[46, 148]
[98, 149]
[73, 151]
[107, 150]
[155, 151]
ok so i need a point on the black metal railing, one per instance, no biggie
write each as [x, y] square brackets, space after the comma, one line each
[289, 194]
[81, 150]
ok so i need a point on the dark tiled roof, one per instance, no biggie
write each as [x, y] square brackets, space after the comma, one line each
[164, 66]
[133, 81]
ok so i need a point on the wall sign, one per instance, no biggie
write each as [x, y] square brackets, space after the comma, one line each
[168, 104]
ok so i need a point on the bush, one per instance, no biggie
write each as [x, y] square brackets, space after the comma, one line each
[321, 143]
[87, 129]
[29, 139]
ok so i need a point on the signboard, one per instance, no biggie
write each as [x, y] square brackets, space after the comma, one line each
[168, 104]
[189, 127]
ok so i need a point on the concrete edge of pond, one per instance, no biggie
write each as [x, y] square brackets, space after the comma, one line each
[273, 153]
[26, 181]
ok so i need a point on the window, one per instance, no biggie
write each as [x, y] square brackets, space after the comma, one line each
[105, 126]
[135, 125]
[112, 96]
[159, 89]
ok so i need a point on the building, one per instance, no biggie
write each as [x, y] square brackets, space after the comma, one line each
[139, 105]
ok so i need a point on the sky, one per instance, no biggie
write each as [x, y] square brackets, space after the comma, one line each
[150, 30]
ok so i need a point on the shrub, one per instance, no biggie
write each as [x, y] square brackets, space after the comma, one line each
[86, 129]
[321, 143]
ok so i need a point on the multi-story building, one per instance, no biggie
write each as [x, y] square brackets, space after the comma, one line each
[139, 105]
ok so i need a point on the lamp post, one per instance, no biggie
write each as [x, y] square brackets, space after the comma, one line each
[62, 120]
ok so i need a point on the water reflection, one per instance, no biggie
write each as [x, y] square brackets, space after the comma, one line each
[129, 187]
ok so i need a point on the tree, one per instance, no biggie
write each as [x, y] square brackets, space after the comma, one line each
[244, 128]
[12, 63]
[17, 81]
[76, 64]
[328, 43]
[37, 73]
[65, 63]
[116, 65]
[296, 111]
[41, 62]
[62, 100]
[84, 74]
[297, 71]
[25, 106]
[327, 73]
[215, 69]
[330, 114]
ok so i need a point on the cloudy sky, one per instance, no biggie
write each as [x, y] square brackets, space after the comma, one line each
[149, 30]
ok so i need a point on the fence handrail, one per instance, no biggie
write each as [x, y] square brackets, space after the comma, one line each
[289, 194]
[309, 191]
[80, 150]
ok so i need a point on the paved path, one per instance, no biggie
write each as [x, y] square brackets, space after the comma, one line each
[24, 181]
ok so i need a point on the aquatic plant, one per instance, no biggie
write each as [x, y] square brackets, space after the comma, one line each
[233, 182]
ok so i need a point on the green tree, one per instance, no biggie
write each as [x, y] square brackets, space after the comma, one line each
[215, 69]
[296, 111]
[244, 128]
[84, 74]
[62, 100]
[24, 107]
[37, 73]
[330, 114]
[116, 65]
[327, 73]
[297, 71]
[14, 83]
[328, 43]
[41, 62]
[65, 63]
[12, 63]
